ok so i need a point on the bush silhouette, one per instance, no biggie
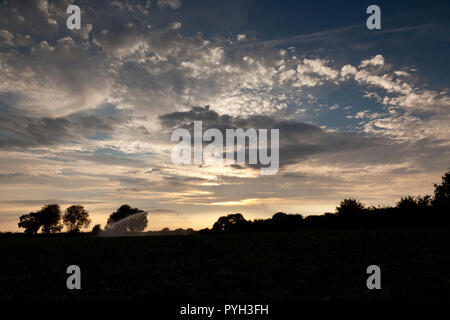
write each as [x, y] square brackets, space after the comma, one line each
[97, 229]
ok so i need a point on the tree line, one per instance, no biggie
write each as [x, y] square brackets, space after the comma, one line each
[50, 219]
[421, 211]
[410, 211]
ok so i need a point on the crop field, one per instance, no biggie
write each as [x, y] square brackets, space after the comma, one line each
[309, 265]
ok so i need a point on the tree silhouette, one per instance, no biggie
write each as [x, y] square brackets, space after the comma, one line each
[349, 208]
[410, 211]
[231, 222]
[30, 222]
[442, 193]
[48, 218]
[414, 204]
[282, 221]
[76, 218]
[127, 219]
[414, 210]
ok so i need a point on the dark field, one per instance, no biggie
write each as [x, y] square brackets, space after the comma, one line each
[415, 264]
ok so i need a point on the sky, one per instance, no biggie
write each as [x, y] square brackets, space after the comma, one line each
[86, 115]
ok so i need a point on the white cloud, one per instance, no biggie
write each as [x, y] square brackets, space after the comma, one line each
[425, 100]
[348, 70]
[312, 72]
[334, 107]
[54, 80]
[377, 60]
[241, 37]
[402, 73]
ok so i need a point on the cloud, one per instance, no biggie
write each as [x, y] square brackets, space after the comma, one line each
[241, 37]
[298, 140]
[121, 41]
[426, 100]
[312, 72]
[172, 4]
[25, 132]
[400, 93]
[24, 17]
[322, 161]
[377, 60]
[402, 73]
[334, 107]
[154, 211]
[41, 202]
[6, 38]
[18, 131]
[54, 80]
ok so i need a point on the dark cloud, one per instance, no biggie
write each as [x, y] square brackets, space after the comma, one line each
[18, 131]
[29, 17]
[102, 156]
[184, 119]
[178, 180]
[24, 132]
[43, 202]
[113, 160]
[162, 211]
[7, 177]
[298, 140]
[121, 38]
